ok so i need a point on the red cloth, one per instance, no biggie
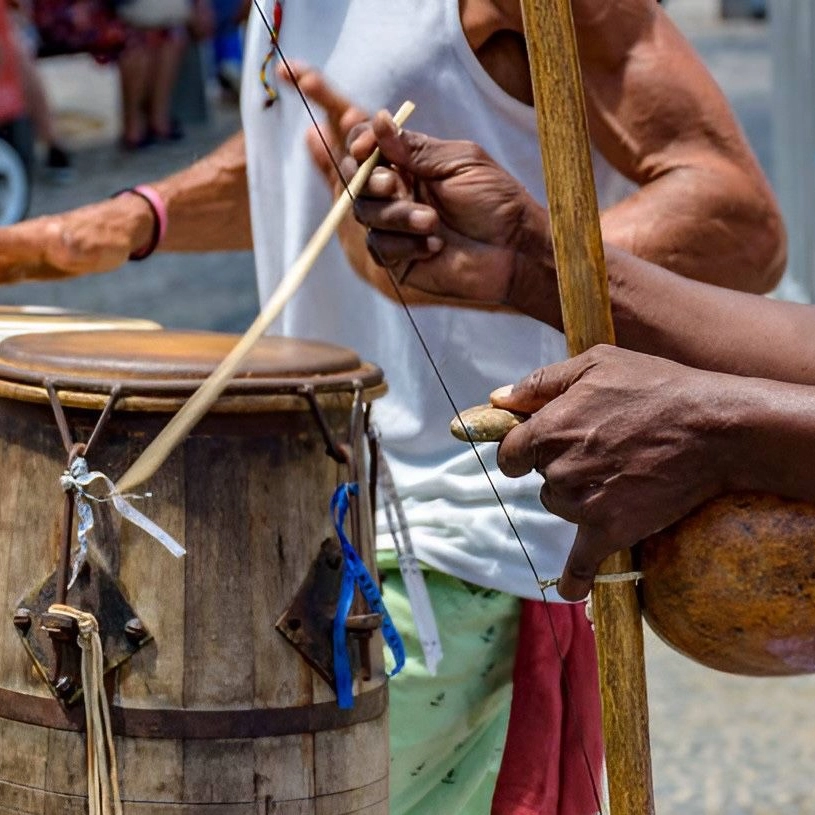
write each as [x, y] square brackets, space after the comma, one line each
[12, 103]
[553, 729]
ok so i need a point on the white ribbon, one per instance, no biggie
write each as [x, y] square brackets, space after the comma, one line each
[411, 569]
[75, 480]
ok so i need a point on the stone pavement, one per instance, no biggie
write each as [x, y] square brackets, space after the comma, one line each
[722, 745]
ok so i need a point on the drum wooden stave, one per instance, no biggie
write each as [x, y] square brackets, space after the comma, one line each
[219, 713]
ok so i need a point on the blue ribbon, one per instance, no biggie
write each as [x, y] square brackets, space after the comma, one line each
[354, 574]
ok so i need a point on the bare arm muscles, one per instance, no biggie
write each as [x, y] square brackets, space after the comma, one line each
[689, 321]
[709, 327]
[705, 209]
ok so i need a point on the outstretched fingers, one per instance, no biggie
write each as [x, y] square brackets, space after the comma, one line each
[343, 115]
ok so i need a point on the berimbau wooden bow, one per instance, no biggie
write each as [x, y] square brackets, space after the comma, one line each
[583, 285]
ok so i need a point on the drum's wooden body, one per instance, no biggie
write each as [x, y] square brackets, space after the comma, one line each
[219, 713]
[733, 585]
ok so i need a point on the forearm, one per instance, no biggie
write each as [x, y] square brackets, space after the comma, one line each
[708, 327]
[208, 203]
[717, 224]
[663, 314]
[770, 443]
[207, 207]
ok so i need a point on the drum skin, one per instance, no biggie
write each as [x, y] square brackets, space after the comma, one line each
[732, 585]
[247, 494]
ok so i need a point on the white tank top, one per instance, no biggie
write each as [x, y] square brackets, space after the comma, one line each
[379, 54]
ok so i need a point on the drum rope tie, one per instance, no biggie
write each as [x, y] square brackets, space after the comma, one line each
[74, 480]
[77, 476]
[409, 566]
[616, 577]
[74, 450]
[103, 774]
[355, 573]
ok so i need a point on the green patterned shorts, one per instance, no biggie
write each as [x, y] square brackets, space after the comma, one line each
[447, 731]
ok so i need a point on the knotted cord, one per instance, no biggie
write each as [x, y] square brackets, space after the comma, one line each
[103, 773]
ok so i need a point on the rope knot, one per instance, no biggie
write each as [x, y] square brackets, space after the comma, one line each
[88, 627]
[103, 777]
[75, 480]
[71, 477]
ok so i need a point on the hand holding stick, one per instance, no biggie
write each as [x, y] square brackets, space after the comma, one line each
[202, 400]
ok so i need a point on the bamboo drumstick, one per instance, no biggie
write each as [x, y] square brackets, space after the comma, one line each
[578, 247]
[202, 400]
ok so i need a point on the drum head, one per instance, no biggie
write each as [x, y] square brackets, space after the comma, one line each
[159, 363]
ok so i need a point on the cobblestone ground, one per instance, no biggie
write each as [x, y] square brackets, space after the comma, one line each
[722, 745]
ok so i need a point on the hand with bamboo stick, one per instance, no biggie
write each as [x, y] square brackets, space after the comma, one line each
[628, 442]
[466, 229]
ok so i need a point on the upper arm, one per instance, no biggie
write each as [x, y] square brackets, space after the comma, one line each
[659, 118]
[650, 100]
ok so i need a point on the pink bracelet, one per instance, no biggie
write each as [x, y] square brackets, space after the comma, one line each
[159, 219]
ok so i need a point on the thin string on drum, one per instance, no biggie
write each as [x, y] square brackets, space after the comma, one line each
[74, 481]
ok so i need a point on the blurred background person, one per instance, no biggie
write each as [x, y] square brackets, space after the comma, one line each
[227, 45]
[149, 64]
[25, 42]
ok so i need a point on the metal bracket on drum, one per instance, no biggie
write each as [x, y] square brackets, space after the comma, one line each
[343, 452]
[308, 623]
[51, 639]
[333, 449]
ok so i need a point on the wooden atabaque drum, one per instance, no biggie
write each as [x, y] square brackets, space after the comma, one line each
[213, 708]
